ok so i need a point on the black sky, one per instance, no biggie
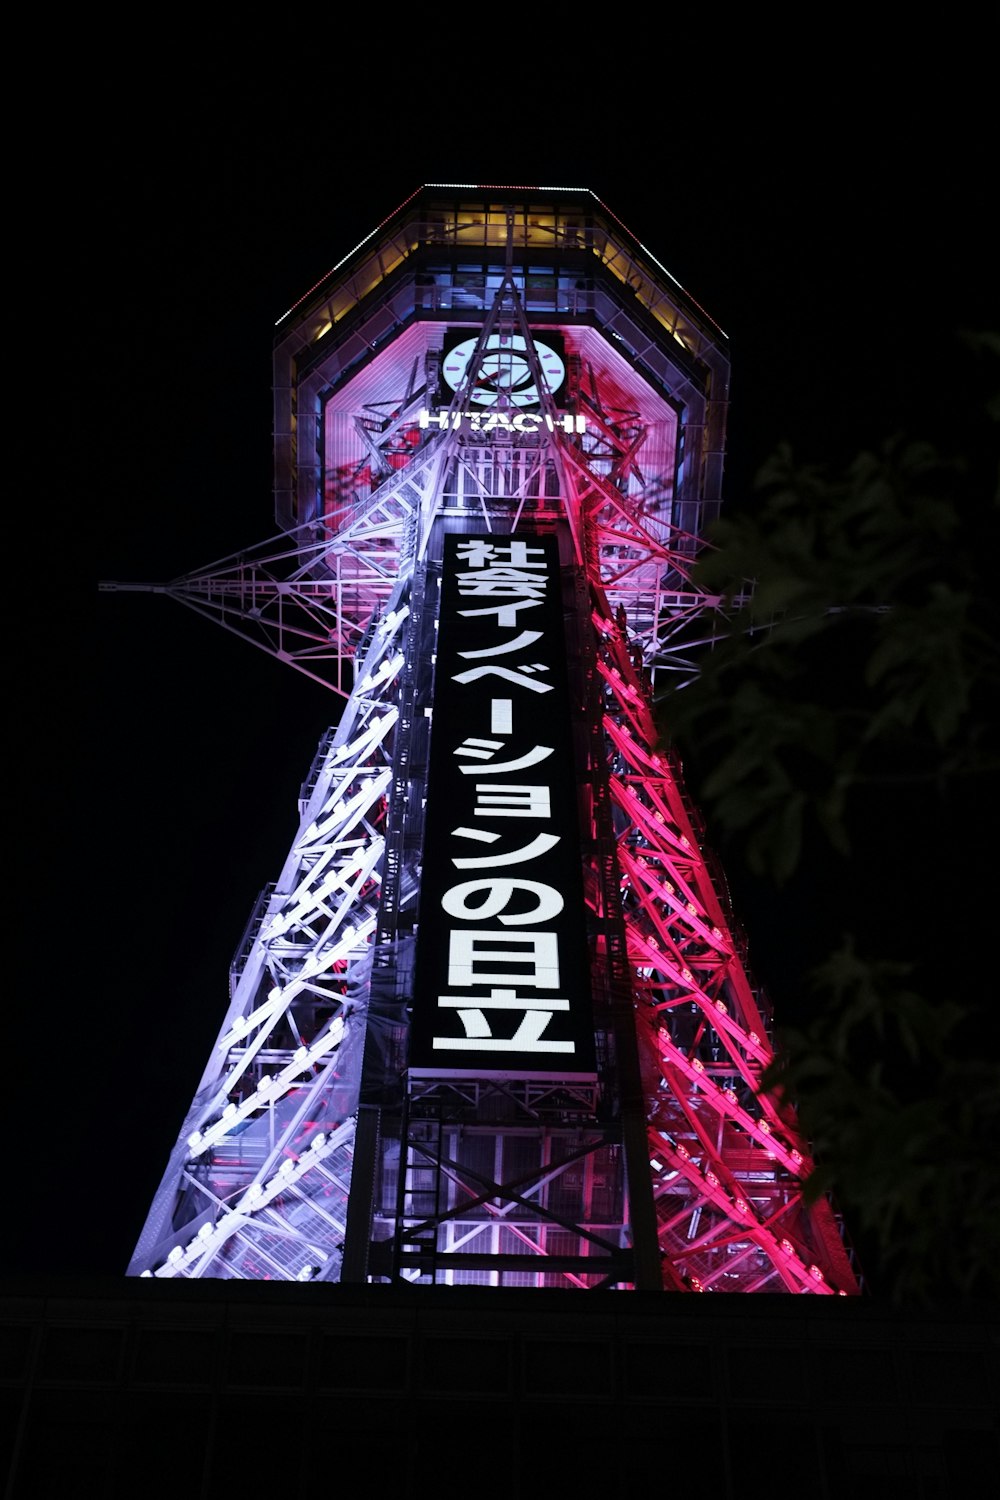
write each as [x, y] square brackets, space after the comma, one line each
[838, 234]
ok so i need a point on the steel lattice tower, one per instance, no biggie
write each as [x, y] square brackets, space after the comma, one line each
[492, 1024]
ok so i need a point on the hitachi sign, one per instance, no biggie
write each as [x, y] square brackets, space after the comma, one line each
[493, 421]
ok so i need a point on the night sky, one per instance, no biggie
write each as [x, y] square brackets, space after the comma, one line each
[839, 236]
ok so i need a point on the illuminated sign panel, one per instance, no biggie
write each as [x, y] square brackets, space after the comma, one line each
[502, 974]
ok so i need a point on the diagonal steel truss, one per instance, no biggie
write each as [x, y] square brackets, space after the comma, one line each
[263, 1181]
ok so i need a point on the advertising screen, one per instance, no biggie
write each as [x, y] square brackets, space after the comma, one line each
[502, 973]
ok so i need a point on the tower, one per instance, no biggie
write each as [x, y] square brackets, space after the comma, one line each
[493, 1023]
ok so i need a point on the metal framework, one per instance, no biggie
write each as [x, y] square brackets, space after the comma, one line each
[312, 1150]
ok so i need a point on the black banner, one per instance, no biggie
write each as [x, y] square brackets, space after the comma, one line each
[502, 976]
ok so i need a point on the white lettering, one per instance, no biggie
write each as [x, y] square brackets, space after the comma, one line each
[478, 956]
[479, 1038]
[513, 802]
[532, 757]
[479, 421]
[502, 715]
[476, 552]
[497, 895]
[540, 844]
[525, 639]
[506, 613]
[475, 673]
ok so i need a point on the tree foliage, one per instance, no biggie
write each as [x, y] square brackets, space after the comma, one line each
[853, 708]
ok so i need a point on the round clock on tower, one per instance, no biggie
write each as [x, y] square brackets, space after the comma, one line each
[505, 372]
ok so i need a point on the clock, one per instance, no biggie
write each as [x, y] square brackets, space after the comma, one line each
[504, 376]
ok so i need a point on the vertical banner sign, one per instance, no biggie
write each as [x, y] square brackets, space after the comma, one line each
[502, 978]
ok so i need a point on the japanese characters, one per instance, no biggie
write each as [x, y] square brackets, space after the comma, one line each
[501, 969]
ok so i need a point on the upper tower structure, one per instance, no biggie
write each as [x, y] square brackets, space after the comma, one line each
[628, 328]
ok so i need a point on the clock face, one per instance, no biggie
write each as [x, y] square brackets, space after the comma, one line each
[505, 375]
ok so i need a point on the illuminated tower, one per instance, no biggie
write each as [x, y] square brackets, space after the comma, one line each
[491, 1024]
